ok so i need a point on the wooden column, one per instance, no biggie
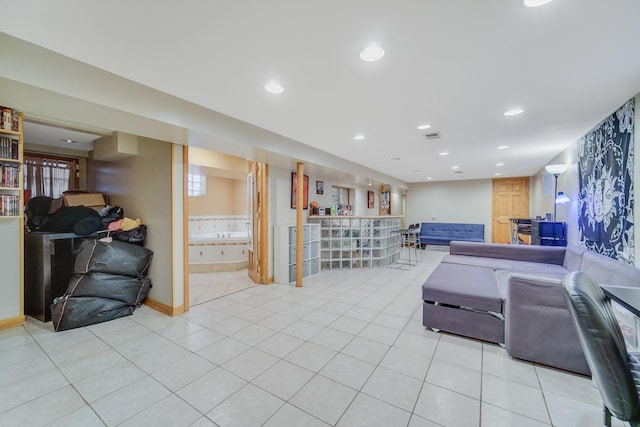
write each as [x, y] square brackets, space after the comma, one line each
[263, 200]
[185, 224]
[299, 219]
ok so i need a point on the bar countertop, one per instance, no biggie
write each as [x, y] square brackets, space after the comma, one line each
[353, 216]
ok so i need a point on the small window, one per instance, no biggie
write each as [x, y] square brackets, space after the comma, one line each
[196, 184]
[50, 175]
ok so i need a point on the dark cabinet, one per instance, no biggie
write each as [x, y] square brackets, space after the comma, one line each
[546, 233]
[48, 266]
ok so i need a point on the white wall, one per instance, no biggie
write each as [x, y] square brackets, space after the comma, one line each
[135, 184]
[280, 212]
[451, 201]
[280, 195]
[10, 286]
[397, 203]
[541, 190]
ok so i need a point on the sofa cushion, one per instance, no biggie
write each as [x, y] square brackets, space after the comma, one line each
[441, 233]
[607, 271]
[529, 253]
[573, 258]
[538, 325]
[506, 264]
[503, 277]
[475, 287]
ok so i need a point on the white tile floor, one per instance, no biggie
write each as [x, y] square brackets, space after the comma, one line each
[204, 287]
[347, 349]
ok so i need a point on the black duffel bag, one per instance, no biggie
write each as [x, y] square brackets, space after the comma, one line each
[113, 213]
[96, 256]
[136, 236]
[73, 312]
[131, 290]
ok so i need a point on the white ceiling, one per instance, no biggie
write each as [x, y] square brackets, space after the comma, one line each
[55, 136]
[455, 64]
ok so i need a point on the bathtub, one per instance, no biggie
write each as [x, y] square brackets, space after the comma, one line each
[218, 251]
[223, 236]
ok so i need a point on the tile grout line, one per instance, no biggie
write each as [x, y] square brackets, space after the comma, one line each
[69, 383]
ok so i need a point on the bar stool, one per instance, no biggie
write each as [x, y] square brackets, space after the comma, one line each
[411, 240]
[398, 242]
[416, 241]
[402, 237]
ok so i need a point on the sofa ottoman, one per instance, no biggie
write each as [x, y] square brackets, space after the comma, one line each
[473, 307]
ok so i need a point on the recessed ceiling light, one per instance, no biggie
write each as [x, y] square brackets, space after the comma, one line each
[499, 164]
[513, 112]
[497, 174]
[444, 153]
[70, 141]
[371, 53]
[395, 158]
[423, 127]
[274, 87]
[455, 167]
[502, 147]
[535, 3]
[429, 178]
[358, 137]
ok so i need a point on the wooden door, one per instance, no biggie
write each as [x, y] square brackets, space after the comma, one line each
[510, 200]
[258, 226]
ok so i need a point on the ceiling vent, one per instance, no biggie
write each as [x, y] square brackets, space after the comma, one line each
[457, 171]
[433, 135]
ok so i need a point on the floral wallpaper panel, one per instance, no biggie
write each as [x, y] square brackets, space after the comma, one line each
[605, 174]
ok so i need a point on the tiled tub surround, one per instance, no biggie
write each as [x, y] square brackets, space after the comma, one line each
[217, 243]
[204, 224]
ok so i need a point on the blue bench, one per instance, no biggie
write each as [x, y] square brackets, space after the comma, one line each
[442, 233]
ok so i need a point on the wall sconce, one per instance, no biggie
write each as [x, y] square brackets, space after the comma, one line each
[556, 171]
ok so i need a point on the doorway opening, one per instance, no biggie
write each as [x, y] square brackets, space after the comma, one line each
[218, 224]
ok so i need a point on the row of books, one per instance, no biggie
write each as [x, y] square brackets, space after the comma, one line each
[9, 119]
[9, 175]
[8, 148]
[9, 205]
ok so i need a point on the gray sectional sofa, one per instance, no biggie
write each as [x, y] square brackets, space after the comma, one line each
[510, 294]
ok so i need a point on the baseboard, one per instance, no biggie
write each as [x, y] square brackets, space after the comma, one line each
[12, 321]
[163, 308]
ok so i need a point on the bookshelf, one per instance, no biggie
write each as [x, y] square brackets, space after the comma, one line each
[285, 252]
[358, 242]
[11, 217]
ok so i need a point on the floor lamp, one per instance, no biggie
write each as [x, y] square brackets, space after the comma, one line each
[556, 171]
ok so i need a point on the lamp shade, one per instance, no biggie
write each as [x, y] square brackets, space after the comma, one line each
[562, 198]
[556, 169]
